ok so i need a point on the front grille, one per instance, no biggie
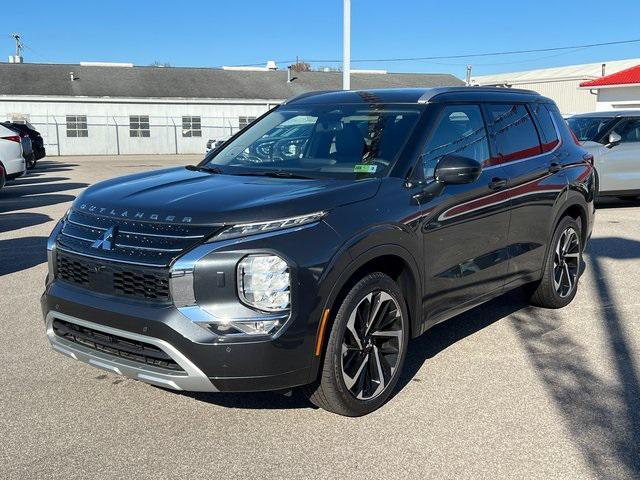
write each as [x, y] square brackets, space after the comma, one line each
[143, 243]
[113, 279]
[126, 348]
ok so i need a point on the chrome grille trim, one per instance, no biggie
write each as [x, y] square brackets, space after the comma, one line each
[141, 234]
[106, 259]
[149, 249]
[77, 238]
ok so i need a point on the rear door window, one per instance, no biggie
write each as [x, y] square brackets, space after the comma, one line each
[548, 130]
[515, 134]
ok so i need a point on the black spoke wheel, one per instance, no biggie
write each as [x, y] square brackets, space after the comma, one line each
[371, 345]
[365, 350]
[561, 271]
[566, 262]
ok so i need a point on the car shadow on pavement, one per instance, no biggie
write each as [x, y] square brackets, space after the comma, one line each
[254, 400]
[32, 191]
[614, 202]
[601, 412]
[15, 221]
[53, 166]
[21, 253]
[31, 179]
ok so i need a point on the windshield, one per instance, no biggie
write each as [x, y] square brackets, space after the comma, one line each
[589, 128]
[335, 141]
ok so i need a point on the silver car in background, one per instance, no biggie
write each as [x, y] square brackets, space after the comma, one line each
[613, 138]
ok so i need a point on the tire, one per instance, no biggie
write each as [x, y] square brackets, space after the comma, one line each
[3, 177]
[31, 162]
[561, 271]
[349, 382]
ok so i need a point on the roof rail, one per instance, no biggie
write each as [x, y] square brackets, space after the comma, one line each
[434, 92]
[305, 95]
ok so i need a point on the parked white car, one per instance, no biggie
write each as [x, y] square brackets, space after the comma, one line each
[613, 138]
[12, 163]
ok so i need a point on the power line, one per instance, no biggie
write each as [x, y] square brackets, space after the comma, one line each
[466, 55]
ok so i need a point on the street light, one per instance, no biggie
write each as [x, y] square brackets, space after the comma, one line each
[346, 45]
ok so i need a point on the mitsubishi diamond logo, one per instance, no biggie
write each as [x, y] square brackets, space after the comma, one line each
[107, 240]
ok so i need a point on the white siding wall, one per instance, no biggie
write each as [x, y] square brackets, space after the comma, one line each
[108, 123]
[565, 93]
[618, 97]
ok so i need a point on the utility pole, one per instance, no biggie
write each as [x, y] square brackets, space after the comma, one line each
[16, 37]
[468, 80]
[346, 45]
[19, 47]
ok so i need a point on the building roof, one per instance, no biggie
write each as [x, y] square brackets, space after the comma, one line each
[173, 82]
[629, 76]
[585, 71]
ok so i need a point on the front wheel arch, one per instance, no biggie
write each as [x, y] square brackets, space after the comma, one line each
[392, 260]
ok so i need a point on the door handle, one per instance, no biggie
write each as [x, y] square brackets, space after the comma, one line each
[498, 183]
[554, 167]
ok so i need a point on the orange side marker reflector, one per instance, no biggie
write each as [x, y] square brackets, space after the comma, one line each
[323, 324]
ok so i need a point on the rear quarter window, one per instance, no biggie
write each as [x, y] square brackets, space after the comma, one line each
[548, 130]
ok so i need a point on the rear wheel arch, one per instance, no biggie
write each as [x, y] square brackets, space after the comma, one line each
[578, 212]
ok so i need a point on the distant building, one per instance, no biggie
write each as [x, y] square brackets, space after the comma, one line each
[111, 109]
[616, 91]
[562, 84]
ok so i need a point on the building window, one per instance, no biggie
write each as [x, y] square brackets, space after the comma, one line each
[139, 126]
[77, 126]
[244, 121]
[191, 127]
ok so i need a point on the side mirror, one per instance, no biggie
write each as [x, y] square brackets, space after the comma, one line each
[457, 170]
[614, 139]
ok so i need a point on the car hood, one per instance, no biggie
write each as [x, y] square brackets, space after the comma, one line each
[180, 195]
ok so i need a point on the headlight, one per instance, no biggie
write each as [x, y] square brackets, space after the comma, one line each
[244, 229]
[264, 283]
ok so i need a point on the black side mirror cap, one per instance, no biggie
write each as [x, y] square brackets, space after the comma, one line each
[457, 170]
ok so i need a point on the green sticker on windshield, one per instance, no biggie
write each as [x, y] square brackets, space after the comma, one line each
[360, 168]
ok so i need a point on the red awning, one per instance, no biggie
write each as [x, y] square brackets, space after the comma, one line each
[630, 76]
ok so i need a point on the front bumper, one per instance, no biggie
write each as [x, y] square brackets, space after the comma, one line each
[274, 364]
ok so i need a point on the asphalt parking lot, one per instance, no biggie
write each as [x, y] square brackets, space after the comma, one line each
[503, 391]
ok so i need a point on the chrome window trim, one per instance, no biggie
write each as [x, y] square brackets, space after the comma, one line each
[555, 126]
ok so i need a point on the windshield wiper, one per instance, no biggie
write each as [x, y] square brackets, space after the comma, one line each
[275, 174]
[196, 168]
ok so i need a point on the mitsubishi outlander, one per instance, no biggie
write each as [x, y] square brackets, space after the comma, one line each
[312, 258]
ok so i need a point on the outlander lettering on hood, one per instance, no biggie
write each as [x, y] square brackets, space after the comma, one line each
[135, 216]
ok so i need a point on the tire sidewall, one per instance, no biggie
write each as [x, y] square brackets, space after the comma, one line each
[373, 282]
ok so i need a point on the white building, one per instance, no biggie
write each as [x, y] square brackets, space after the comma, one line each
[617, 91]
[562, 84]
[111, 109]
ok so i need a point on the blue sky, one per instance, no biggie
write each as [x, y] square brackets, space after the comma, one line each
[215, 33]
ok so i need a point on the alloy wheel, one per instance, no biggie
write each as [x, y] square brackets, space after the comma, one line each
[372, 345]
[566, 262]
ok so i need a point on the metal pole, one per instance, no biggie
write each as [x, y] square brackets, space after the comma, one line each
[346, 45]
[115, 123]
[468, 81]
